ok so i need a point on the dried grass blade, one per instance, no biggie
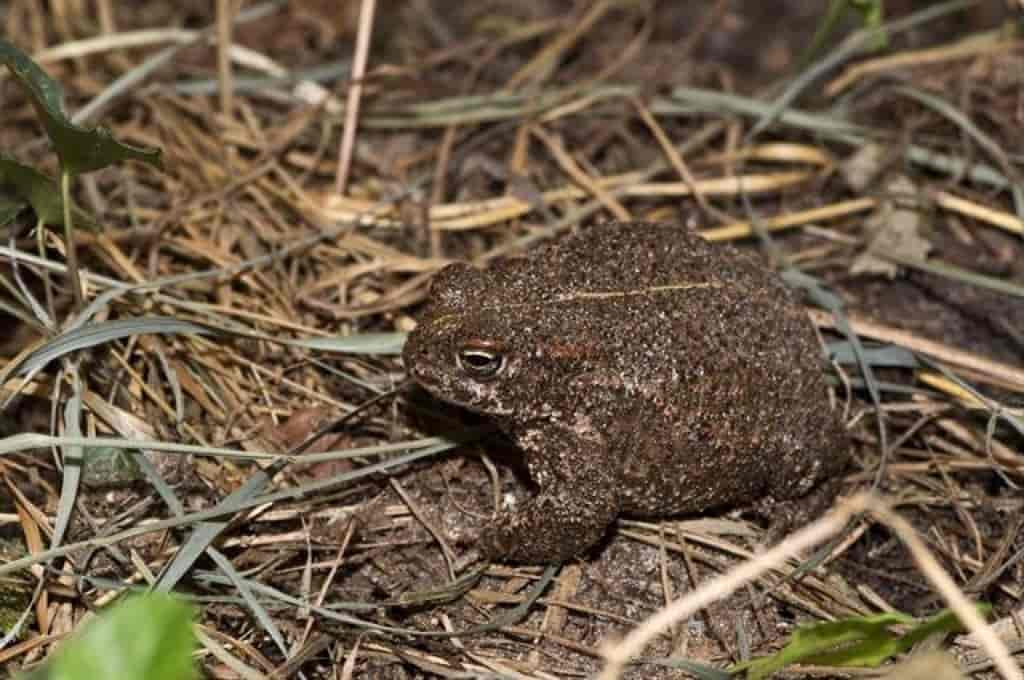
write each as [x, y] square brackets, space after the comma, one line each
[743, 229]
[985, 44]
[850, 48]
[946, 200]
[1006, 374]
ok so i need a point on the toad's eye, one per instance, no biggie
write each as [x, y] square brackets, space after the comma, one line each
[480, 363]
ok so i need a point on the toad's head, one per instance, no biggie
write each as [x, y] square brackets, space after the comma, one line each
[487, 345]
[460, 350]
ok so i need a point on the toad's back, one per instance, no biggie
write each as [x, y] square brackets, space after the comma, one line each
[704, 370]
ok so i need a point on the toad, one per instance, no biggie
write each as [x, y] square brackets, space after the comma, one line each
[641, 370]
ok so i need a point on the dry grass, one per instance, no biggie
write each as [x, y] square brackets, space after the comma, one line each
[296, 496]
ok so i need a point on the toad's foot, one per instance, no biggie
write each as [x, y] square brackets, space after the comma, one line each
[579, 496]
[786, 516]
[547, 530]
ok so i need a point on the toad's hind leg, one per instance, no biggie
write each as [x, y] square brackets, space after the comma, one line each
[578, 499]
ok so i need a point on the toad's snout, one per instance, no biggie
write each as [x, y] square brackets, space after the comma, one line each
[418, 358]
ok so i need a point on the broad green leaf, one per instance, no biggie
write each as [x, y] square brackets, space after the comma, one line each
[817, 639]
[10, 208]
[80, 149]
[940, 624]
[147, 636]
[41, 192]
[864, 642]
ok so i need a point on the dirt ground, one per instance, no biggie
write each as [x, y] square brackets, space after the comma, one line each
[886, 172]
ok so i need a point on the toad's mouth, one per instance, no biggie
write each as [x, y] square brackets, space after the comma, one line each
[458, 394]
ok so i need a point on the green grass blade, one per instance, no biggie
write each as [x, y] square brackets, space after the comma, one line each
[74, 460]
[107, 331]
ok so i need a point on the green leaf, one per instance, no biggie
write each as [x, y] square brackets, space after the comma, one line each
[80, 149]
[864, 642]
[39, 190]
[10, 208]
[147, 636]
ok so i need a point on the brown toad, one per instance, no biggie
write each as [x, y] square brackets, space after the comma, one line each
[641, 370]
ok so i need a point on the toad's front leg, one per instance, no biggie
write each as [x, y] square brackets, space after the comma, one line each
[578, 499]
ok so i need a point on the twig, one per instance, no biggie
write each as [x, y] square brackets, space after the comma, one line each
[225, 16]
[355, 92]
